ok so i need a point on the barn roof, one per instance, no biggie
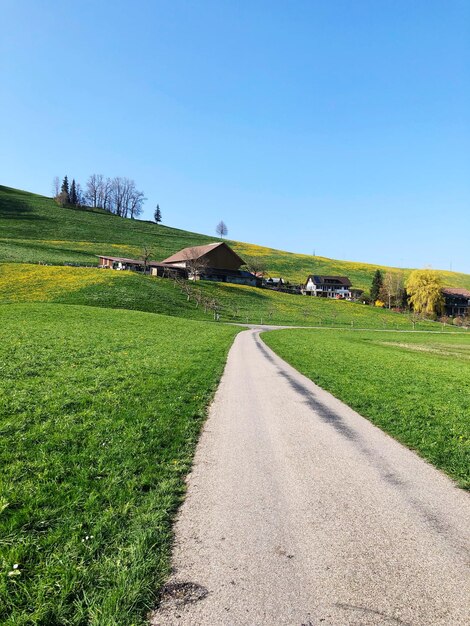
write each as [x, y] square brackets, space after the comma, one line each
[196, 252]
[456, 291]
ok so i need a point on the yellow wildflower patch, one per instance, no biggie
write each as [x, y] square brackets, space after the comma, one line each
[42, 283]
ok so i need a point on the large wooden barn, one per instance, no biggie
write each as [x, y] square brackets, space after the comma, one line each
[213, 261]
[215, 255]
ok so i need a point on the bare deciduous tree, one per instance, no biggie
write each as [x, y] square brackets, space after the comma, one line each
[55, 186]
[221, 229]
[80, 195]
[126, 200]
[392, 289]
[415, 318]
[93, 188]
[119, 195]
[256, 266]
[145, 255]
[195, 264]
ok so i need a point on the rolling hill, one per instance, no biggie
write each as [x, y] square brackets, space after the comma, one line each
[35, 230]
[22, 282]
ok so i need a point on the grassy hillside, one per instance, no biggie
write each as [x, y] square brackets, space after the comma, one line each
[99, 414]
[34, 229]
[415, 387]
[128, 290]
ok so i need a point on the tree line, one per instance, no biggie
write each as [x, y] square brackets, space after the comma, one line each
[118, 195]
[421, 292]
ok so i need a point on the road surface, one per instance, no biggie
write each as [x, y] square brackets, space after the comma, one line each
[301, 512]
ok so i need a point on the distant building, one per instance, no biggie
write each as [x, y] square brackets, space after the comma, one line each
[136, 265]
[215, 255]
[328, 286]
[356, 294]
[122, 263]
[274, 283]
[457, 301]
[214, 261]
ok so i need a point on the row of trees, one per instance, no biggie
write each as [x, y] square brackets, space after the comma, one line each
[118, 195]
[421, 291]
[67, 194]
[389, 289]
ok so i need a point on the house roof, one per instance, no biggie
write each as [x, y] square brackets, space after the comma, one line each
[456, 291]
[342, 281]
[196, 252]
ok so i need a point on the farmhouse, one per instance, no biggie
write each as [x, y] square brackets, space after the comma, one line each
[214, 261]
[456, 301]
[328, 286]
[137, 265]
[122, 263]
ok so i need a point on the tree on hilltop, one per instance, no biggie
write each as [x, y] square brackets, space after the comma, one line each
[80, 195]
[65, 188]
[73, 193]
[125, 199]
[62, 197]
[55, 187]
[157, 215]
[221, 229]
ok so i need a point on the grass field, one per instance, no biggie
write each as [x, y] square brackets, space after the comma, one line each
[34, 229]
[414, 386]
[100, 412]
[128, 290]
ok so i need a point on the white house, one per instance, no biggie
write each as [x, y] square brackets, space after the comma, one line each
[328, 287]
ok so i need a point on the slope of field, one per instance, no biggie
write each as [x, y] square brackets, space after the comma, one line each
[414, 386]
[99, 414]
[34, 229]
[236, 303]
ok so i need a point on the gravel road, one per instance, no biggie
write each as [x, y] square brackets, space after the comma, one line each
[301, 512]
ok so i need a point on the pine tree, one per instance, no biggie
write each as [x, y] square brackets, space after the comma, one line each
[65, 190]
[158, 215]
[73, 193]
[377, 283]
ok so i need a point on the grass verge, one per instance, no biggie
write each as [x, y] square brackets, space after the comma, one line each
[416, 387]
[100, 413]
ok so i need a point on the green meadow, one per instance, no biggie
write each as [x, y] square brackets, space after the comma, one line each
[100, 413]
[237, 303]
[35, 230]
[105, 380]
[416, 386]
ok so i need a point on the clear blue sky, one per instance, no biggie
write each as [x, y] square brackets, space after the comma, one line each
[340, 126]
